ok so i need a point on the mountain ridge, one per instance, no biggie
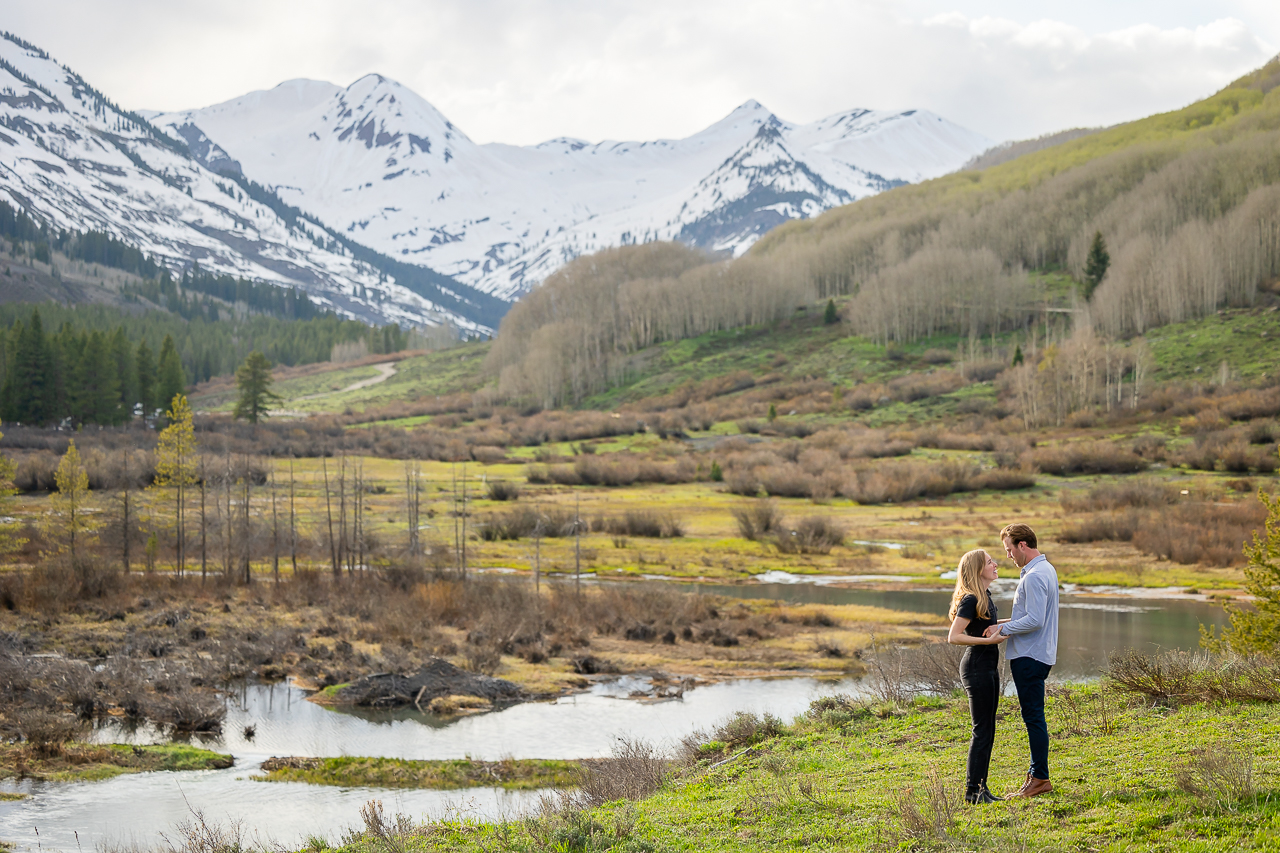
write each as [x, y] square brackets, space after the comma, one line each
[377, 160]
[76, 161]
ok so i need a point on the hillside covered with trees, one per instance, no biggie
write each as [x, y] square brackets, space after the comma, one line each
[1187, 202]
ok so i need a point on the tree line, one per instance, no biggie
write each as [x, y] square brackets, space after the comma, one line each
[208, 348]
[83, 377]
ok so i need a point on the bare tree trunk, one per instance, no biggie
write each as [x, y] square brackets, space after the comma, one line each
[293, 530]
[227, 522]
[124, 506]
[275, 529]
[358, 520]
[538, 529]
[328, 506]
[577, 545]
[464, 520]
[457, 548]
[244, 523]
[343, 548]
[411, 505]
[204, 521]
[182, 557]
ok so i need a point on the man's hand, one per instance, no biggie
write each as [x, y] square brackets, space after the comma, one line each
[991, 631]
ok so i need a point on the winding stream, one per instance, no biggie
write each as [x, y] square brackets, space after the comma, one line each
[136, 809]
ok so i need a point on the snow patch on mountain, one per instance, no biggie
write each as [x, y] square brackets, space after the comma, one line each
[74, 160]
[378, 162]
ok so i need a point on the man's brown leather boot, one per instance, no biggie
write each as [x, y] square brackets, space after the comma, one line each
[1035, 787]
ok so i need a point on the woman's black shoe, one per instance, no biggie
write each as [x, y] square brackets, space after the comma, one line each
[981, 798]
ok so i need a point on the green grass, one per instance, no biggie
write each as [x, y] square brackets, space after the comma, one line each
[82, 762]
[1247, 340]
[837, 780]
[347, 771]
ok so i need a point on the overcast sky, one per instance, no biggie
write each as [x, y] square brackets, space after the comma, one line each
[523, 71]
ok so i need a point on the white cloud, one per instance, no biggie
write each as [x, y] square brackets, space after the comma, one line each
[526, 70]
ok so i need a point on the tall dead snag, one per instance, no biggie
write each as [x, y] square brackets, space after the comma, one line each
[293, 524]
[358, 524]
[224, 508]
[464, 520]
[577, 545]
[126, 515]
[204, 519]
[275, 529]
[342, 513]
[328, 508]
[246, 543]
[412, 478]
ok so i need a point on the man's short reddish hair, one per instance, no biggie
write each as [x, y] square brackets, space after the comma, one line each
[1019, 532]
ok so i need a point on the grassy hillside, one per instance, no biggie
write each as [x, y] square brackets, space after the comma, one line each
[1187, 202]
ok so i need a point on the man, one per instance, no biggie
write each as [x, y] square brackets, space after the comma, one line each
[1032, 647]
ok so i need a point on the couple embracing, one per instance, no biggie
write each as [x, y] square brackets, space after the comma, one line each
[1032, 636]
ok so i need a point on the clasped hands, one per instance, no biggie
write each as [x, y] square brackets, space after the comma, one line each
[994, 631]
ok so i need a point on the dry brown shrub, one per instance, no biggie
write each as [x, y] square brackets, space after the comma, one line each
[918, 386]
[644, 523]
[47, 732]
[1201, 532]
[635, 771]
[488, 455]
[1127, 493]
[931, 816]
[1253, 403]
[1103, 526]
[1085, 457]
[758, 519]
[1219, 776]
[816, 534]
[785, 481]
[1180, 677]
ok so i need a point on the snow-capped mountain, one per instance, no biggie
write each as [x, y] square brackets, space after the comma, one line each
[377, 162]
[75, 161]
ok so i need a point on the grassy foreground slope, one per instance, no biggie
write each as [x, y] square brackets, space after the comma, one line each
[849, 777]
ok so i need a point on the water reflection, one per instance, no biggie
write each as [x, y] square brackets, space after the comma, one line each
[1090, 627]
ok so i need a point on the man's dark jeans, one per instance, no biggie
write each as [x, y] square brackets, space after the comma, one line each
[1028, 677]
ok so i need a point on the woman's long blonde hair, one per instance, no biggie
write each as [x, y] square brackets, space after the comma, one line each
[967, 582]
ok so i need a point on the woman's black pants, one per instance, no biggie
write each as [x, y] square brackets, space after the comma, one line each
[981, 677]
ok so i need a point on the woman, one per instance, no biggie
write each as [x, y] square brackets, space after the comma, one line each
[972, 611]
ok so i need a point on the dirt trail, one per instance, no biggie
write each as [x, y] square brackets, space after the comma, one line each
[385, 372]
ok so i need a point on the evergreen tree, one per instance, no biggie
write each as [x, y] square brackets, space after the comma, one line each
[772, 414]
[1095, 266]
[830, 315]
[1256, 629]
[146, 380]
[1017, 355]
[253, 379]
[99, 383]
[126, 373]
[171, 379]
[32, 384]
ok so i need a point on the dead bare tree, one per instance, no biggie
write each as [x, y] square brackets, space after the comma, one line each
[293, 528]
[328, 507]
[275, 530]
